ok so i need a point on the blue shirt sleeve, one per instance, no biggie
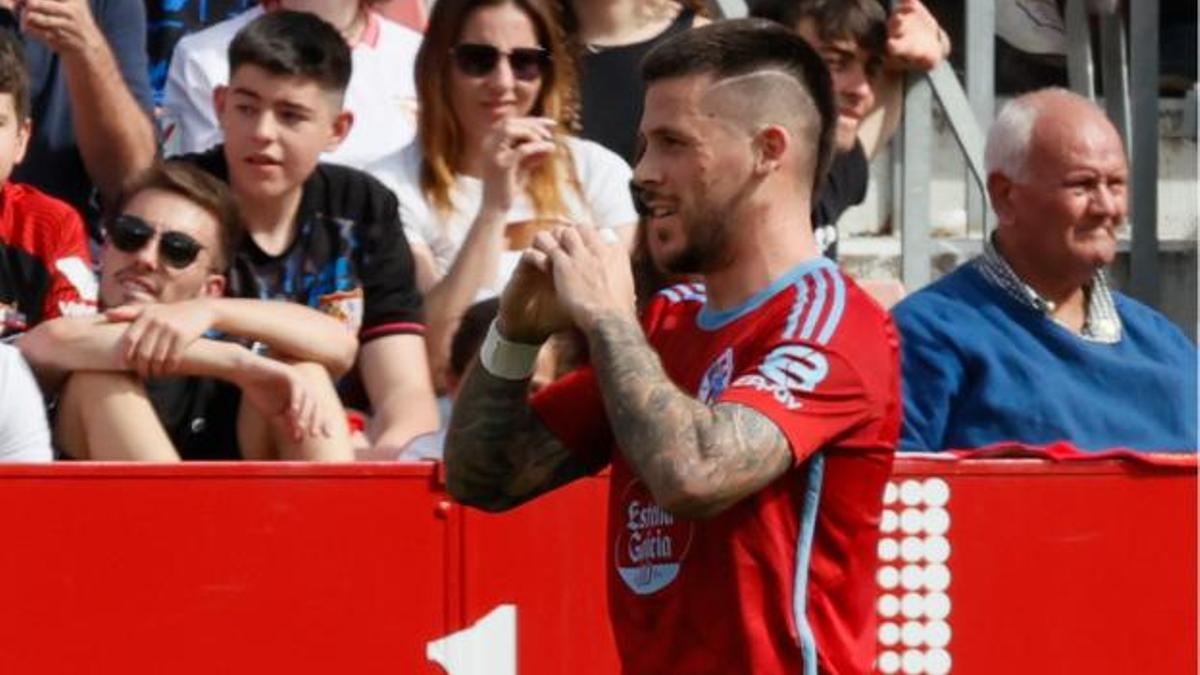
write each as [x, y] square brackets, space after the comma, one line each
[123, 22]
[931, 375]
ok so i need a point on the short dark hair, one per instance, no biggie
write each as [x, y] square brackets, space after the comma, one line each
[14, 73]
[294, 44]
[726, 49]
[200, 188]
[863, 21]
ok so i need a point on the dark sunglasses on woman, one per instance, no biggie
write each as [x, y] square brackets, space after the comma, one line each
[131, 234]
[478, 60]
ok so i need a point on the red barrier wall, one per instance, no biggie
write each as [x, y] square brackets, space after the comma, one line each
[1049, 568]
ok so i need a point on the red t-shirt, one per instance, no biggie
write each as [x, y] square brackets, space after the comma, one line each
[783, 581]
[45, 266]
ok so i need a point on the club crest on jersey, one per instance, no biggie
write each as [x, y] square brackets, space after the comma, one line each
[651, 543]
[345, 306]
[716, 378]
[788, 372]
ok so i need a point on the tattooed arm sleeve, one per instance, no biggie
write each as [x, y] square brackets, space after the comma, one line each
[696, 460]
[498, 453]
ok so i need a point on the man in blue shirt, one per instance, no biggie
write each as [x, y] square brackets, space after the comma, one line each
[1027, 343]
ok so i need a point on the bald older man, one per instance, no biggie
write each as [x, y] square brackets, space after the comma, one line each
[1027, 343]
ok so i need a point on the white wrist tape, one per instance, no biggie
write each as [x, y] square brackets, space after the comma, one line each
[506, 359]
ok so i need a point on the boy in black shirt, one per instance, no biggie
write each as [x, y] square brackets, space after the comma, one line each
[323, 235]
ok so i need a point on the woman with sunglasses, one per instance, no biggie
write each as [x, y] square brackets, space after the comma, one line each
[493, 163]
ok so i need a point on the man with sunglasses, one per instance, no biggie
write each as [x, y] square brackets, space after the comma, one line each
[149, 380]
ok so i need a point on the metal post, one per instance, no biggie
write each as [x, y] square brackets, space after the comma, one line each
[1143, 57]
[918, 148]
[981, 91]
[1080, 72]
[1115, 73]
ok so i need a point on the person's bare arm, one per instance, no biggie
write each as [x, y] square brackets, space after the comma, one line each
[159, 333]
[697, 461]
[498, 453]
[115, 135]
[396, 377]
[511, 150]
[56, 348]
[915, 43]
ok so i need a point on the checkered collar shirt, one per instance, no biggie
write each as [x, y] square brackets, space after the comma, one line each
[1102, 323]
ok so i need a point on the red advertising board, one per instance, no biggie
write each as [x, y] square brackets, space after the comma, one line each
[987, 566]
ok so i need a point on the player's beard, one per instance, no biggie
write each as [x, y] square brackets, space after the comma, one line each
[707, 247]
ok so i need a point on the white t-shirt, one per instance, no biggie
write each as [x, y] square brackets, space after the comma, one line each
[24, 434]
[381, 94]
[605, 204]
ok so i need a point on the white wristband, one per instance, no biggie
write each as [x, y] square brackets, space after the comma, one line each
[506, 359]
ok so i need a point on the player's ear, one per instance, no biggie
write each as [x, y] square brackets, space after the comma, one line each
[771, 145]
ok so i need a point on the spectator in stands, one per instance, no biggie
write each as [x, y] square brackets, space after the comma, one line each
[24, 435]
[91, 102]
[750, 421]
[322, 235]
[493, 161]
[167, 21]
[144, 382]
[868, 52]
[1027, 343]
[380, 98]
[45, 266]
[609, 41]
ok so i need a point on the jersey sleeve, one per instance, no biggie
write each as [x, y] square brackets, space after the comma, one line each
[573, 410]
[73, 286]
[391, 302]
[812, 393]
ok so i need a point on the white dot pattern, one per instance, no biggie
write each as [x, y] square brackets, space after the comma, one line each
[914, 578]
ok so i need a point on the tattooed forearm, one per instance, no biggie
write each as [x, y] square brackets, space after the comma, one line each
[498, 454]
[696, 460]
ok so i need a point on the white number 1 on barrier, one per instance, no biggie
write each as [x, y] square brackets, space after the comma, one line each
[488, 647]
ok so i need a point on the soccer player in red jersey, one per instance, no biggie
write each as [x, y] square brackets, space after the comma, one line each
[750, 420]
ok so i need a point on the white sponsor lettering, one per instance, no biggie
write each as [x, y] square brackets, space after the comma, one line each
[788, 372]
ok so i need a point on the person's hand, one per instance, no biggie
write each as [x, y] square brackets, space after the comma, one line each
[512, 148]
[592, 279]
[915, 41]
[281, 394]
[529, 311]
[159, 334]
[66, 26]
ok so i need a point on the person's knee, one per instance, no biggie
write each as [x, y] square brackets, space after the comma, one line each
[86, 385]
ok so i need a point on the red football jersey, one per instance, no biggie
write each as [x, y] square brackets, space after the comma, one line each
[783, 581]
[45, 266]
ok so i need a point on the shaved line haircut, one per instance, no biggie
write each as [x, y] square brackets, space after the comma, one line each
[736, 51]
[764, 98]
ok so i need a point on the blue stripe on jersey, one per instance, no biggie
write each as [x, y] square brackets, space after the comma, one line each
[710, 320]
[814, 312]
[808, 525]
[835, 313]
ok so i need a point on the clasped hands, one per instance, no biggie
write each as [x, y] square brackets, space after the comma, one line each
[569, 277]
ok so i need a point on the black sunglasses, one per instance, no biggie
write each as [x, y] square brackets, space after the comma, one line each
[477, 60]
[131, 234]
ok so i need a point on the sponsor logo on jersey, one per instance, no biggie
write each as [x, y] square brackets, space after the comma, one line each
[651, 543]
[788, 372]
[345, 306]
[716, 378]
